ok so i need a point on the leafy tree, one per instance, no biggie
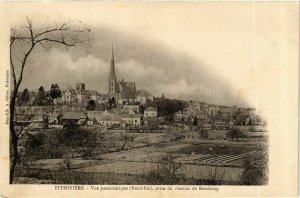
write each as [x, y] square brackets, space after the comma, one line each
[55, 91]
[91, 106]
[204, 134]
[74, 137]
[67, 163]
[45, 121]
[168, 107]
[195, 121]
[236, 114]
[41, 97]
[255, 171]
[235, 133]
[112, 102]
[24, 98]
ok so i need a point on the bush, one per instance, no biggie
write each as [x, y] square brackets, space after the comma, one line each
[59, 143]
[166, 173]
[255, 171]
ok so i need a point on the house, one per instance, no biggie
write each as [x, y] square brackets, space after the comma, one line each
[74, 118]
[150, 112]
[68, 96]
[131, 107]
[93, 95]
[133, 111]
[80, 95]
[91, 121]
[94, 113]
[143, 97]
[53, 118]
[108, 120]
[133, 120]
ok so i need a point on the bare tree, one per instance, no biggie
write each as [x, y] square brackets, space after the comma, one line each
[23, 41]
[126, 138]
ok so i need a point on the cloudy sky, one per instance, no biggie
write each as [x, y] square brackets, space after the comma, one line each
[206, 52]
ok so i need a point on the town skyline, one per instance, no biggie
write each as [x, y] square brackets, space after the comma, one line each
[124, 69]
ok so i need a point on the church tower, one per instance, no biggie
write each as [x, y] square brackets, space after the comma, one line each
[112, 80]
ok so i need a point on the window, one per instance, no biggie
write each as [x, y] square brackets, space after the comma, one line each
[135, 121]
[146, 113]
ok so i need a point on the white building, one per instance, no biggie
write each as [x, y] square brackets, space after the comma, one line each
[150, 112]
[133, 120]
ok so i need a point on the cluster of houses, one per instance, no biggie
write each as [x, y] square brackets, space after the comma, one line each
[218, 116]
[129, 116]
[122, 107]
[79, 96]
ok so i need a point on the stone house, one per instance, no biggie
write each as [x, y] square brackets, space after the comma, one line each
[150, 112]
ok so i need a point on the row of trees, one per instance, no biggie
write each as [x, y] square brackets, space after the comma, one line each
[42, 97]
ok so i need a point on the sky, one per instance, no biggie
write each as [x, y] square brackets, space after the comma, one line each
[205, 52]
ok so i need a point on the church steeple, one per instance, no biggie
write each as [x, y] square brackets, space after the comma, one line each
[112, 63]
[113, 86]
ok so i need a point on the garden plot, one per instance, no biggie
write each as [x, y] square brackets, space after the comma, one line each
[225, 159]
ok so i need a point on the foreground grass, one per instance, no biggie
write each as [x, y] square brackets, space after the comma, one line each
[88, 178]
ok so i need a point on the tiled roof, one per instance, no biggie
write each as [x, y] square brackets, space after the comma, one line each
[53, 115]
[132, 116]
[73, 115]
[108, 118]
[91, 119]
[150, 109]
[92, 93]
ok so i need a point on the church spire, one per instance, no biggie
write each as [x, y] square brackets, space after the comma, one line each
[113, 86]
[112, 64]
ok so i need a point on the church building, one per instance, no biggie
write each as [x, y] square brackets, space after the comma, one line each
[120, 90]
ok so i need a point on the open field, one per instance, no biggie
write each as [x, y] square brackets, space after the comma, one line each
[200, 159]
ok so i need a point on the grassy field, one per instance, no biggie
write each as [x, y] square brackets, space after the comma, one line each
[141, 155]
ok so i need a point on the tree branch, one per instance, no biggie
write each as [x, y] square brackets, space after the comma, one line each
[56, 41]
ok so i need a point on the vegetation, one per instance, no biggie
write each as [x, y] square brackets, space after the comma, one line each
[195, 121]
[62, 143]
[112, 103]
[23, 40]
[55, 91]
[91, 106]
[126, 138]
[235, 134]
[166, 173]
[168, 107]
[24, 99]
[255, 171]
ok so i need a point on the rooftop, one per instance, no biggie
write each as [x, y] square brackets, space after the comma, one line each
[73, 115]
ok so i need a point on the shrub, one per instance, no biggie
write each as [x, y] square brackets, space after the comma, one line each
[255, 171]
[166, 173]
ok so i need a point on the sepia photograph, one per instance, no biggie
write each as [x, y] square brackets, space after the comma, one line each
[149, 94]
